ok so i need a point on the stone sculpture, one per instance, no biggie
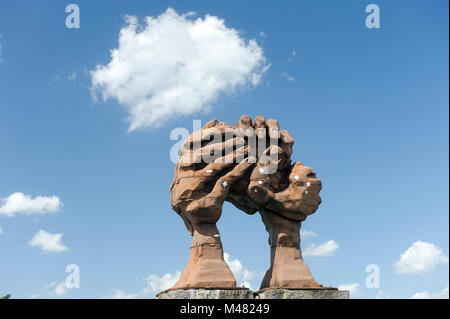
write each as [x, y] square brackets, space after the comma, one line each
[250, 166]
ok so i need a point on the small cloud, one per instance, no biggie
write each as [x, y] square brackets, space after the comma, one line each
[73, 76]
[288, 77]
[60, 289]
[443, 294]
[291, 56]
[50, 285]
[420, 257]
[1, 231]
[119, 294]
[243, 276]
[19, 203]
[156, 283]
[328, 248]
[381, 295]
[354, 289]
[47, 242]
[307, 233]
[262, 34]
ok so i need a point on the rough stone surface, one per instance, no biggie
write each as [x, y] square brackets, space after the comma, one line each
[206, 294]
[302, 294]
[240, 293]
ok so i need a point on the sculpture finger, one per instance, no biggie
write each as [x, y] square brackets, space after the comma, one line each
[260, 126]
[193, 185]
[244, 122]
[210, 145]
[287, 142]
[212, 123]
[208, 208]
[198, 138]
[211, 166]
[211, 151]
[273, 159]
[258, 189]
[223, 184]
[273, 129]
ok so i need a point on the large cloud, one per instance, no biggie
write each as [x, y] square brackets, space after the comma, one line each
[176, 65]
[421, 257]
[19, 203]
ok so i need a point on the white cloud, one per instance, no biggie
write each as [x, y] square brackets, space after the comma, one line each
[60, 288]
[176, 65]
[381, 295]
[244, 277]
[288, 77]
[354, 289]
[307, 233]
[421, 257]
[73, 76]
[157, 284]
[443, 294]
[1, 231]
[48, 242]
[154, 284]
[119, 294]
[328, 248]
[19, 203]
[291, 57]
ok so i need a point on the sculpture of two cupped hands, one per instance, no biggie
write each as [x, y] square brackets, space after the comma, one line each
[249, 166]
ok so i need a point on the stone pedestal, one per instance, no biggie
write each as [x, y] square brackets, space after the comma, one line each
[281, 293]
[244, 293]
[206, 293]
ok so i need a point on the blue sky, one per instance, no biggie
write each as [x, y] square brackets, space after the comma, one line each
[368, 109]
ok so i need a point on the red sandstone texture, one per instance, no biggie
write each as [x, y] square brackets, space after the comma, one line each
[248, 165]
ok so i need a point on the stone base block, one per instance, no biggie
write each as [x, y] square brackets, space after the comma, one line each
[244, 293]
[324, 293]
[206, 293]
